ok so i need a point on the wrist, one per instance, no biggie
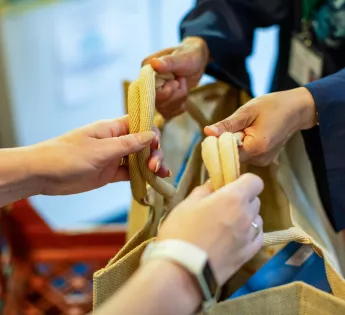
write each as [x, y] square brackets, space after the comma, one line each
[33, 160]
[17, 179]
[305, 108]
[39, 165]
[185, 290]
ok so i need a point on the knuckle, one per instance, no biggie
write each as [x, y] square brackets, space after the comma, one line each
[237, 197]
[127, 142]
[197, 190]
[264, 145]
[245, 116]
[246, 222]
[256, 245]
[102, 122]
[226, 124]
[257, 204]
[259, 221]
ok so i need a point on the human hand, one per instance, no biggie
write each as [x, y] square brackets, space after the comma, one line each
[187, 62]
[268, 122]
[89, 157]
[220, 223]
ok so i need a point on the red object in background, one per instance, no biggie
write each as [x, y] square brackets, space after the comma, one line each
[50, 272]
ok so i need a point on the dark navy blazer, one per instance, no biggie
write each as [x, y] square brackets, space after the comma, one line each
[228, 28]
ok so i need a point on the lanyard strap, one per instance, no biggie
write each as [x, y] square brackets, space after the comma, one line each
[309, 7]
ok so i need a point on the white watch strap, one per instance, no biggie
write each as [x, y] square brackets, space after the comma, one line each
[187, 255]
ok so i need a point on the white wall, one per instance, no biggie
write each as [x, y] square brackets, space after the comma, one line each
[57, 83]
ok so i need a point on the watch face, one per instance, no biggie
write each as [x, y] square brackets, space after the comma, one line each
[210, 279]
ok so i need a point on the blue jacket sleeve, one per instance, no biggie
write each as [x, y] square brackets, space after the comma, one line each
[329, 96]
[228, 28]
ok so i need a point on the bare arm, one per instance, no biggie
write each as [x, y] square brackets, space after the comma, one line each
[160, 287]
[81, 160]
[16, 178]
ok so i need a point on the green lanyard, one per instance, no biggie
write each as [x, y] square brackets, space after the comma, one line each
[309, 7]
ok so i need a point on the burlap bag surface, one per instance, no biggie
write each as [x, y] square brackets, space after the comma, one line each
[291, 208]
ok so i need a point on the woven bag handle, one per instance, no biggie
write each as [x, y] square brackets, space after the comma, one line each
[221, 159]
[141, 108]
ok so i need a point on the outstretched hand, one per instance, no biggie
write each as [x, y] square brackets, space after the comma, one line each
[268, 122]
[90, 157]
[187, 62]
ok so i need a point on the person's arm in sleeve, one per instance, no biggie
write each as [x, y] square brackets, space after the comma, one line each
[329, 97]
[270, 120]
[228, 27]
[217, 37]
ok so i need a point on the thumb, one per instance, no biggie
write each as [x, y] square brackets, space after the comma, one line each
[181, 63]
[238, 121]
[118, 147]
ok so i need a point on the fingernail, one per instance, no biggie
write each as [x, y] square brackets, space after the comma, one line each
[146, 137]
[158, 145]
[158, 166]
[169, 173]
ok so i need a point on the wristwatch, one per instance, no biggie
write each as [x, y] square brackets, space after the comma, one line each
[191, 258]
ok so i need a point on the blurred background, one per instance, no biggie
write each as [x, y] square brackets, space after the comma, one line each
[62, 66]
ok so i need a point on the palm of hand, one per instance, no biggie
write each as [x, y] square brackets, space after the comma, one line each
[75, 168]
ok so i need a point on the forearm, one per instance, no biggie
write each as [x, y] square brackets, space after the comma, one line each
[302, 103]
[17, 179]
[160, 287]
[227, 26]
[230, 24]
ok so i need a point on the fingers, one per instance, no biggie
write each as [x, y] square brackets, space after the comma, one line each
[251, 249]
[200, 192]
[238, 121]
[254, 208]
[164, 172]
[107, 128]
[118, 147]
[121, 175]
[254, 240]
[155, 145]
[156, 160]
[174, 104]
[171, 60]
[253, 233]
[184, 60]
[167, 90]
[247, 186]
[154, 59]
[180, 63]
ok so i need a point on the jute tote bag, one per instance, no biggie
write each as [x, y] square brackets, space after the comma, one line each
[291, 209]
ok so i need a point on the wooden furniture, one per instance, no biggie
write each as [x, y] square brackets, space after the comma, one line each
[50, 272]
